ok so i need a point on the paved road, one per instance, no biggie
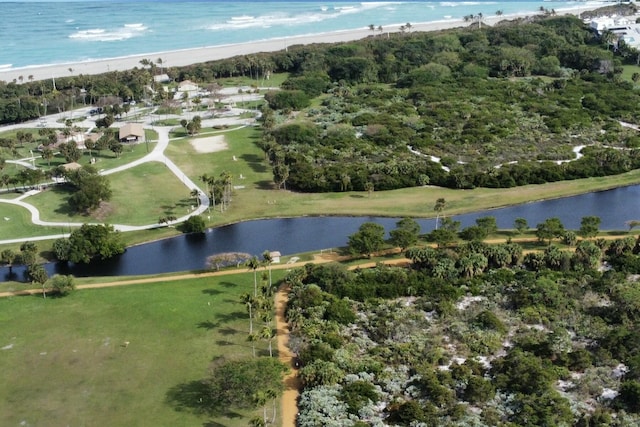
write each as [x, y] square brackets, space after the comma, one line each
[156, 155]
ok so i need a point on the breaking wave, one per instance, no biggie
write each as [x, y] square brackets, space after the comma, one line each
[125, 32]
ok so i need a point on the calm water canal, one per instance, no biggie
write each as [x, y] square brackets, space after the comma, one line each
[294, 235]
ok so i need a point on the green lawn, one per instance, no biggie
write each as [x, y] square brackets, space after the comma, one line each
[19, 223]
[105, 159]
[628, 71]
[140, 196]
[65, 362]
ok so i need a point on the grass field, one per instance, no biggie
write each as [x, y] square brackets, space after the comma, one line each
[19, 223]
[628, 71]
[65, 362]
[140, 196]
[105, 159]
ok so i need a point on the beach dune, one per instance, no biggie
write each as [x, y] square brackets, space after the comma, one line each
[198, 55]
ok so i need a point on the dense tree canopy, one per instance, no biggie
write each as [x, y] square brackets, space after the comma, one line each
[234, 383]
[89, 188]
[368, 239]
[90, 242]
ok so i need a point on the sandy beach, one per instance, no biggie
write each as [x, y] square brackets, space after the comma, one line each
[197, 55]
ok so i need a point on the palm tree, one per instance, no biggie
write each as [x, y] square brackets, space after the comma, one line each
[260, 398]
[47, 154]
[253, 263]
[257, 422]
[249, 301]
[5, 180]
[252, 338]
[372, 27]
[8, 257]
[210, 182]
[226, 178]
[268, 259]
[195, 193]
[608, 38]
[441, 203]
[368, 187]
[267, 334]
[273, 395]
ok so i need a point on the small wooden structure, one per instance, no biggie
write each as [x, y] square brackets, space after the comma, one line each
[131, 132]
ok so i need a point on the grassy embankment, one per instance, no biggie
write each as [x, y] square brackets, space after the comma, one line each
[66, 361]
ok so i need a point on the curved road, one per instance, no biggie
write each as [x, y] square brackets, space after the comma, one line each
[156, 155]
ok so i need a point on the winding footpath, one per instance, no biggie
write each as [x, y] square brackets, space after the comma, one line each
[156, 155]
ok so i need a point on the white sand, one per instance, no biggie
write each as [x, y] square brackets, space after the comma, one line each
[194, 56]
[209, 145]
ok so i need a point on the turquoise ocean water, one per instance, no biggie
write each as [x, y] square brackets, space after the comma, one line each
[38, 33]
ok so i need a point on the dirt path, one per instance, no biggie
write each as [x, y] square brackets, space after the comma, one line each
[292, 383]
[318, 260]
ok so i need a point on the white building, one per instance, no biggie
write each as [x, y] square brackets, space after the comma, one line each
[625, 28]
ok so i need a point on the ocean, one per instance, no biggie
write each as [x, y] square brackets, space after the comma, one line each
[35, 33]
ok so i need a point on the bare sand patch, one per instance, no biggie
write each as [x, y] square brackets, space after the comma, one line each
[211, 144]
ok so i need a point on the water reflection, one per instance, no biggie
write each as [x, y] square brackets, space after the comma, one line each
[292, 235]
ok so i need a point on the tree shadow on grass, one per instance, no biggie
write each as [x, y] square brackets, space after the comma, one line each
[230, 317]
[224, 343]
[265, 185]
[64, 192]
[195, 397]
[211, 291]
[227, 331]
[255, 162]
[228, 284]
[208, 325]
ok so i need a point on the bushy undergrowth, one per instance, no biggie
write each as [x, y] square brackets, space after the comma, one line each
[506, 347]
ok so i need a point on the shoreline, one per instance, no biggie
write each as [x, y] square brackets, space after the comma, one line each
[196, 55]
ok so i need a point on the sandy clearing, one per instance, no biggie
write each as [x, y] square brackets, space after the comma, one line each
[211, 144]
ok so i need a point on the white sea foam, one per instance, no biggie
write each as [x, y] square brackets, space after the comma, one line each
[3, 66]
[286, 19]
[179, 28]
[125, 32]
[466, 3]
[267, 21]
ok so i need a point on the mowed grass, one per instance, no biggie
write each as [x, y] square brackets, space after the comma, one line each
[16, 221]
[65, 363]
[105, 159]
[140, 196]
[628, 71]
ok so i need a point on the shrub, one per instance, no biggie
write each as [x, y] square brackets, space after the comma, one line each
[193, 224]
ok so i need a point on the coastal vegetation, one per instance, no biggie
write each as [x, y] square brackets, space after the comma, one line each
[493, 106]
[472, 334]
[460, 109]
